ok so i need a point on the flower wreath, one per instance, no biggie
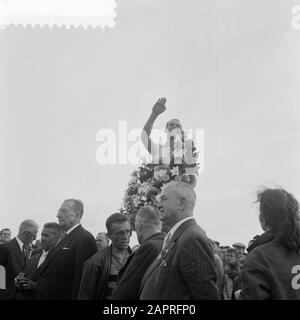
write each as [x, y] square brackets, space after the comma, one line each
[147, 181]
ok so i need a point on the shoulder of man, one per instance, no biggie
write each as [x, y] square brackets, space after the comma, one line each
[99, 257]
[82, 235]
[193, 230]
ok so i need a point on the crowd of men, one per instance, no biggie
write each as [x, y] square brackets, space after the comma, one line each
[178, 263]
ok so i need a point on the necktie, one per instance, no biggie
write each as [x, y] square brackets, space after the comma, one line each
[42, 258]
[24, 253]
[172, 150]
[166, 240]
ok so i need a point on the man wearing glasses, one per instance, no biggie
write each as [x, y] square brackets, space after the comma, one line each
[14, 255]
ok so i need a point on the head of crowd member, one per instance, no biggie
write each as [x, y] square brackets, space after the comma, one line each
[28, 231]
[230, 256]
[118, 231]
[147, 223]
[279, 213]
[70, 213]
[221, 252]
[5, 235]
[239, 248]
[177, 202]
[102, 241]
[51, 232]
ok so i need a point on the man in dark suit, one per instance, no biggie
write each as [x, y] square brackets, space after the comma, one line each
[148, 230]
[50, 235]
[185, 268]
[61, 271]
[14, 255]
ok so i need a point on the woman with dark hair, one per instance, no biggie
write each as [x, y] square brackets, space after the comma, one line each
[272, 270]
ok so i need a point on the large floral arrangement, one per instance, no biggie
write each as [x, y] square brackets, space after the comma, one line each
[146, 182]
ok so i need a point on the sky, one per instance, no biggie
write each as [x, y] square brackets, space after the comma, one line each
[230, 68]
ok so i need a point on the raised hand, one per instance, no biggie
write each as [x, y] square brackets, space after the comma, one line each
[159, 106]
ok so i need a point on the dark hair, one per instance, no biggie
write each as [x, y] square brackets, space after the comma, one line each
[280, 211]
[115, 218]
[5, 229]
[53, 225]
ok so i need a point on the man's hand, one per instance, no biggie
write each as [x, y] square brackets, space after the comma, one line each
[27, 284]
[159, 106]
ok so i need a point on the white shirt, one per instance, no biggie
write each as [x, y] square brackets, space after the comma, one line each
[42, 257]
[71, 229]
[174, 228]
[20, 243]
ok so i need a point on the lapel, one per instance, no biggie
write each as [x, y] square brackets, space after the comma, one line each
[178, 232]
[17, 252]
[65, 241]
[32, 264]
[160, 260]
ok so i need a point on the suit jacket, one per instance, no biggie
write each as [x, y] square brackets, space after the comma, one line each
[136, 266]
[95, 275]
[13, 260]
[184, 270]
[60, 274]
[32, 272]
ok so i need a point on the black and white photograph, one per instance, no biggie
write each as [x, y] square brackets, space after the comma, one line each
[150, 151]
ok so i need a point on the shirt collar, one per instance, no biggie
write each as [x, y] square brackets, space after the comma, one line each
[71, 229]
[177, 225]
[44, 253]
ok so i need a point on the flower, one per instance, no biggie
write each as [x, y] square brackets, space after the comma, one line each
[175, 171]
[166, 178]
[158, 174]
[136, 201]
[144, 188]
[185, 178]
[134, 180]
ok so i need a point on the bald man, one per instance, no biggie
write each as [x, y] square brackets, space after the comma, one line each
[184, 270]
[148, 230]
[14, 254]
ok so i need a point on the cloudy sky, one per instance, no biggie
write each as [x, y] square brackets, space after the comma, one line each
[228, 67]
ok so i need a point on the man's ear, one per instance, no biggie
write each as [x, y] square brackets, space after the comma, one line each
[182, 203]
